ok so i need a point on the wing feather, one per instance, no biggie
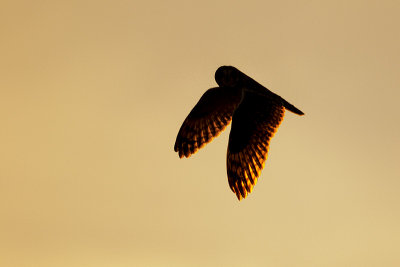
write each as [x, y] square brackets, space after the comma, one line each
[207, 119]
[254, 123]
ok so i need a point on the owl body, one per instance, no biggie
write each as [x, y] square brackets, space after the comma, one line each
[255, 112]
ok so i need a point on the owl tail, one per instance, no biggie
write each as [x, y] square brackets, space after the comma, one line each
[292, 108]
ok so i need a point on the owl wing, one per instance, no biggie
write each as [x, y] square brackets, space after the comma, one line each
[207, 119]
[254, 123]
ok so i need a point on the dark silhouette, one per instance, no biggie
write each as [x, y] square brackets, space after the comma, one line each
[256, 114]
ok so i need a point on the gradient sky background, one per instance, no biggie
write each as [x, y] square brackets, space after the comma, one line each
[93, 94]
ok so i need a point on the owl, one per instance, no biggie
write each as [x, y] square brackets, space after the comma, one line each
[256, 114]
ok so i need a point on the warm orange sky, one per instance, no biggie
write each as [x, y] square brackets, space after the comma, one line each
[94, 92]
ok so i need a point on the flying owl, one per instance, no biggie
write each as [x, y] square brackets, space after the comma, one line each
[256, 114]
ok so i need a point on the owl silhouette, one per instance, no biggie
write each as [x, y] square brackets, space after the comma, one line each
[256, 114]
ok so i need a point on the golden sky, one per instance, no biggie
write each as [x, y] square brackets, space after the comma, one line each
[92, 94]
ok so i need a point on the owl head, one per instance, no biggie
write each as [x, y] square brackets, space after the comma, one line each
[229, 76]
